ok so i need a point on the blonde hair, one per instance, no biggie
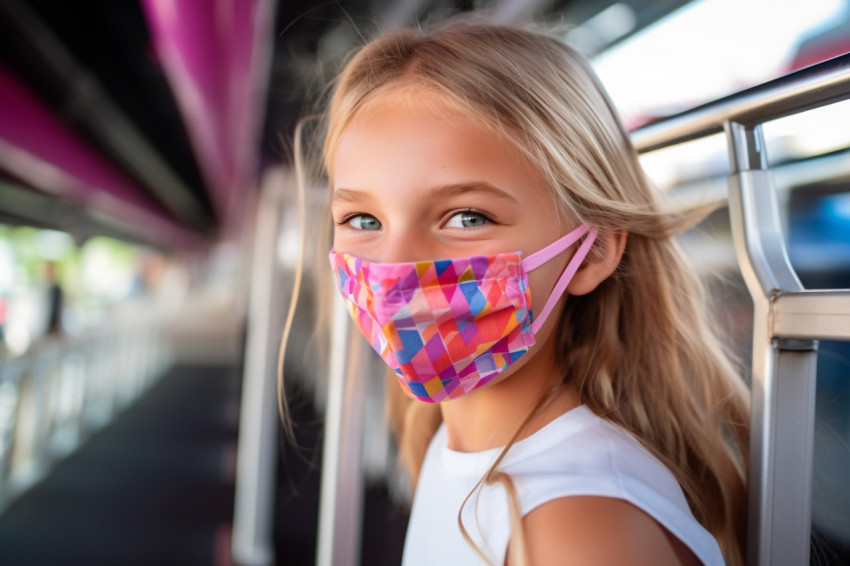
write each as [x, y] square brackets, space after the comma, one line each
[639, 349]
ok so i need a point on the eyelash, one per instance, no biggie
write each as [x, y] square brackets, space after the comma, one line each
[489, 217]
[345, 219]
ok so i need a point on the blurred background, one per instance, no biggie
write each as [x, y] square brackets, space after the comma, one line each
[149, 234]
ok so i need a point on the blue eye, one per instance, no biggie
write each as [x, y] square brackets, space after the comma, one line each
[364, 222]
[467, 219]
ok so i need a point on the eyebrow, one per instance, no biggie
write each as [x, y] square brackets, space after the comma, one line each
[476, 188]
[348, 195]
[440, 191]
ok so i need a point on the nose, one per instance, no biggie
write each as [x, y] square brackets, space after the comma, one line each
[405, 245]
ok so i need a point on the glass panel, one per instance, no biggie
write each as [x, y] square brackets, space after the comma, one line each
[830, 488]
[811, 160]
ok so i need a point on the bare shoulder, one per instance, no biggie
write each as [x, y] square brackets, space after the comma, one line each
[599, 530]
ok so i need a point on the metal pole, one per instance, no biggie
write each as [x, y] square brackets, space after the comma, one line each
[783, 379]
[808, 88]
[252, 543]
[340, 503]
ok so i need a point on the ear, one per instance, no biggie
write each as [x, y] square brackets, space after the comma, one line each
[600, 263]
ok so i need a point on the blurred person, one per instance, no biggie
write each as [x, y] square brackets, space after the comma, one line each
[55, 299]
[4, 310]
[499, 246]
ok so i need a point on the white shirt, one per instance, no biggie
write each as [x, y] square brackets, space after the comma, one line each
[578, 453]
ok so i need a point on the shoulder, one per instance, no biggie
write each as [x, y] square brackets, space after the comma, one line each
[583, 453]
[593, 456]
[600, 496]
[599, 530]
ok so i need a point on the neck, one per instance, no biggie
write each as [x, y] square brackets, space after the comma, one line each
[489, 417]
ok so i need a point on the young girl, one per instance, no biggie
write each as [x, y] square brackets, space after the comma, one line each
[499, 246]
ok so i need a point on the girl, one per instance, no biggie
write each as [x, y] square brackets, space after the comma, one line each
[499, 246]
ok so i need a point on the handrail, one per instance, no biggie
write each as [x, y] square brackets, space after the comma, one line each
[812, 315]
[805, 89]
[55, 395]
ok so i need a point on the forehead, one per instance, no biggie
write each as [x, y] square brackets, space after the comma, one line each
[424, 97]
[413, 125]
[418, 108]
[418, 96]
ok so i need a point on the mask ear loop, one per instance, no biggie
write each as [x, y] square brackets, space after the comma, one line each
[537, 259]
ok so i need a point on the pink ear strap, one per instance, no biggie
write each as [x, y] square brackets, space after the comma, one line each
[551, 251]
[540, 257]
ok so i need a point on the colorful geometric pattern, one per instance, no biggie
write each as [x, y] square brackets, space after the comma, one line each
[445, 326]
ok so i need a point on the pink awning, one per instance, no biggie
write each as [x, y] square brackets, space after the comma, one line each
[215, 55]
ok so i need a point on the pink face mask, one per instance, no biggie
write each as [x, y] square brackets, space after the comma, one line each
[449, 326]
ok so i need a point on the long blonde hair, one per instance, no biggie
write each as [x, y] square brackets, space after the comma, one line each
[639, 349]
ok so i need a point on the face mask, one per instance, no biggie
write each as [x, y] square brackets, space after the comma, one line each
[449, 326]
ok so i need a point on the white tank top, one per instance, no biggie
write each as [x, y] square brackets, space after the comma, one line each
[578, 453]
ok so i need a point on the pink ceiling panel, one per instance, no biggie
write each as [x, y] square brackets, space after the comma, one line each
[43, 151]
[215, 56]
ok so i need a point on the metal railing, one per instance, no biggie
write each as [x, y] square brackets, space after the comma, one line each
[788, 319]
[63, 389]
